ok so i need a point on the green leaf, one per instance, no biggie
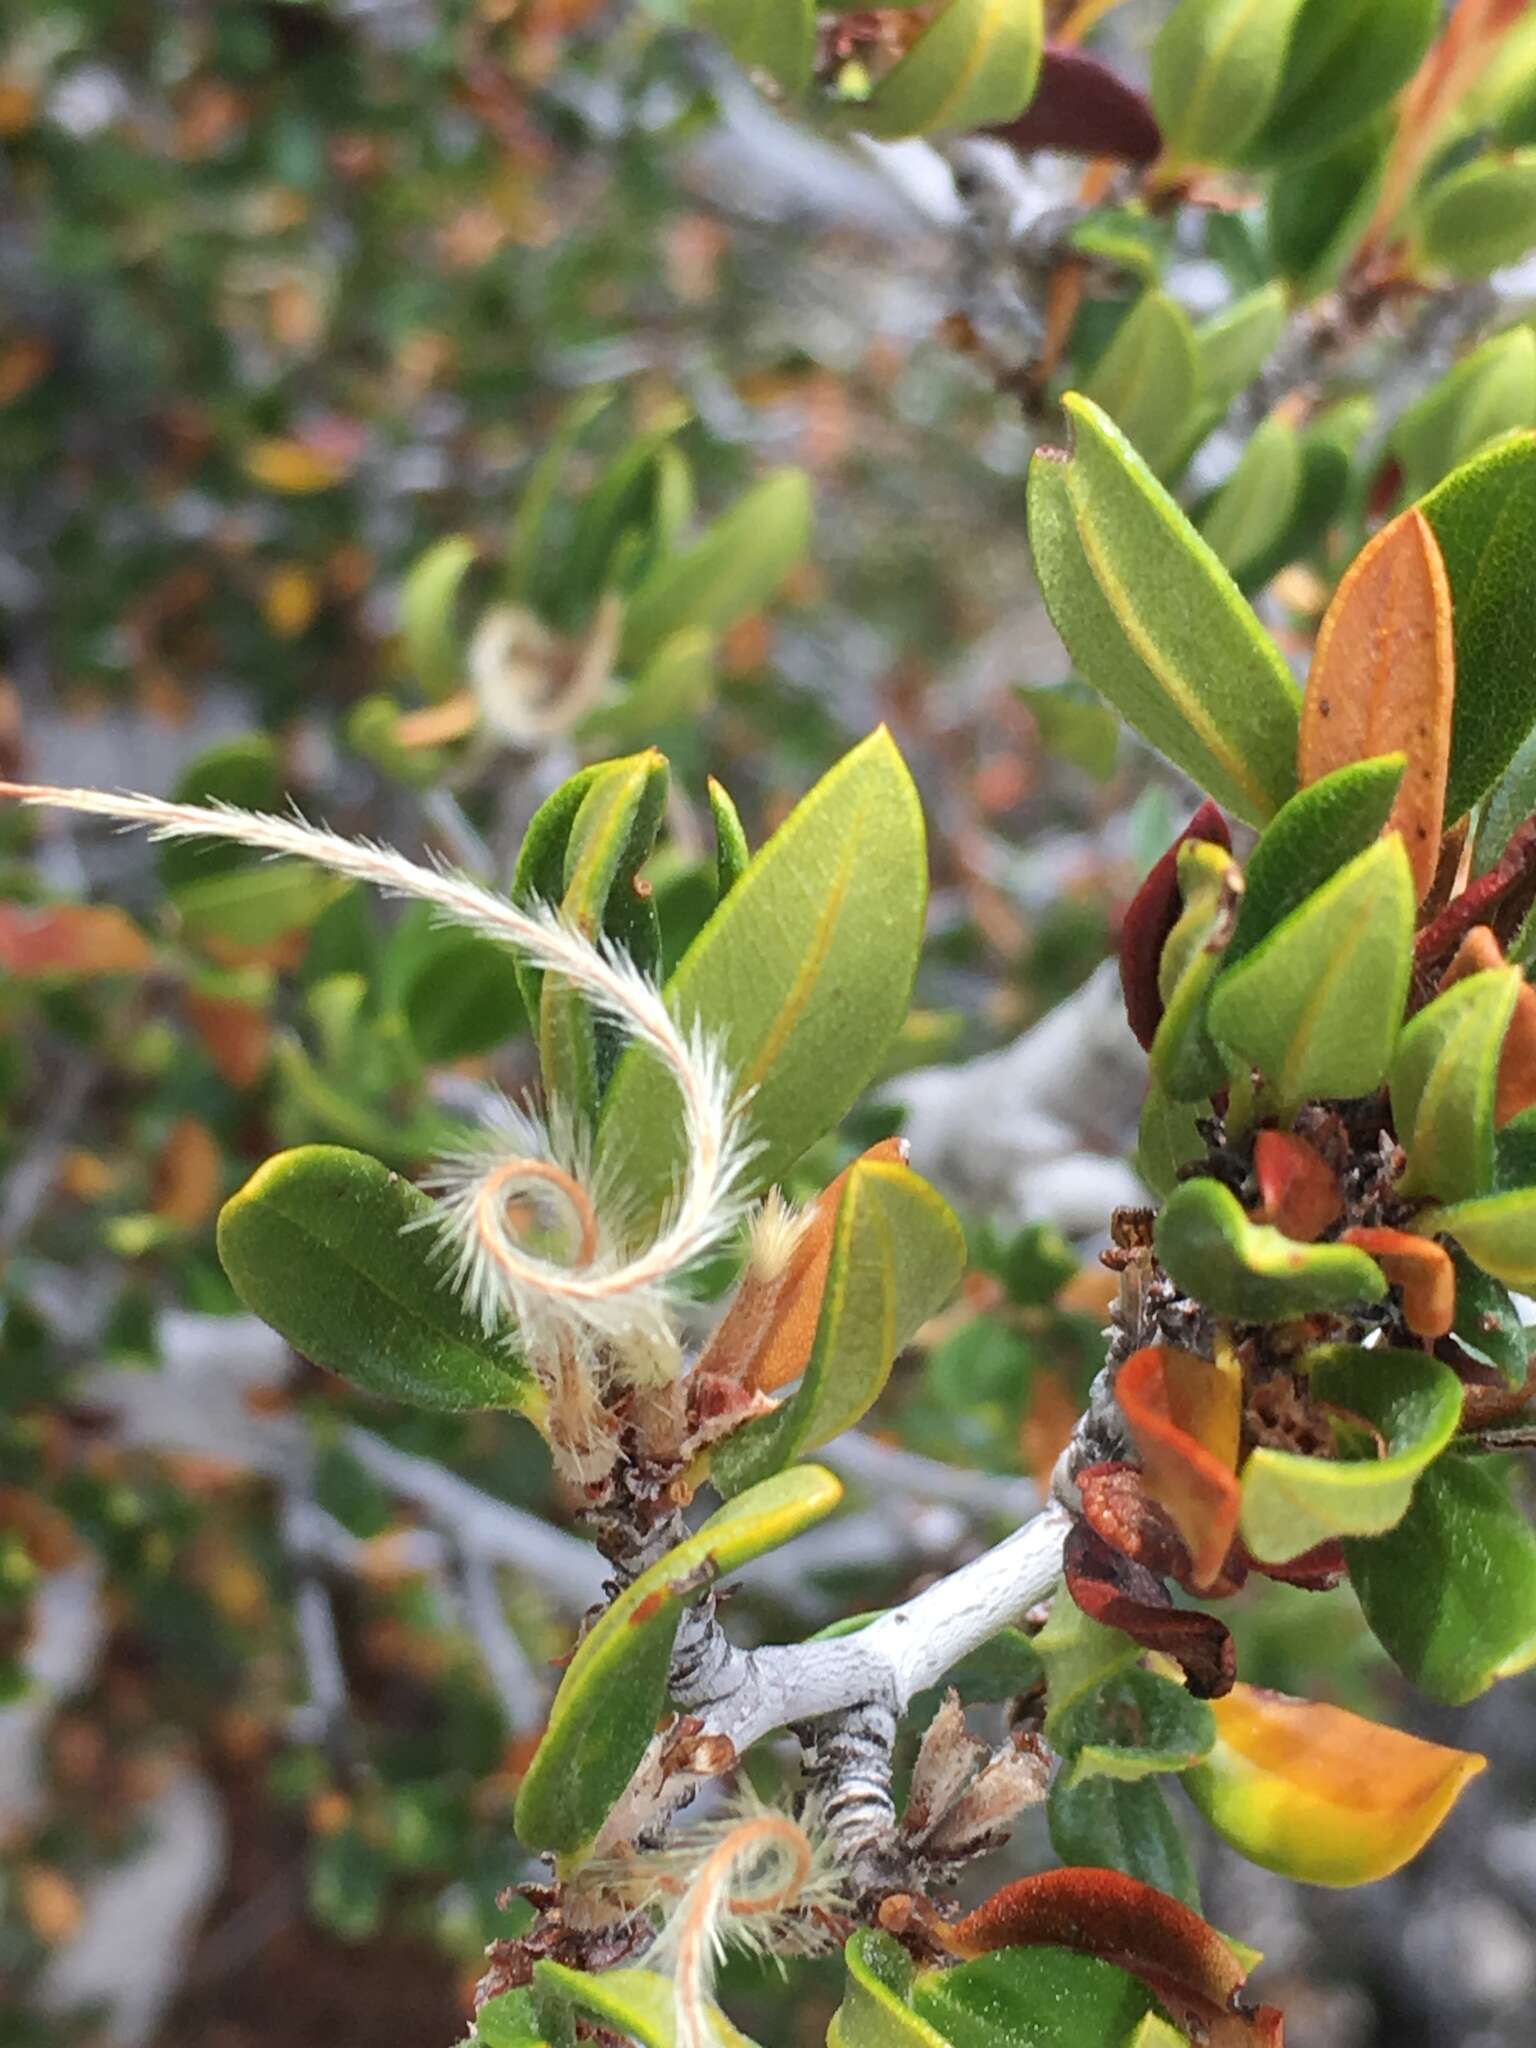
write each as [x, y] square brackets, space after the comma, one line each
[1216, 69]
[430, 639]
[525, 553]
[875, 2012]
[1488, 393]
[326, 1246]
[1318, 1003]
[1153, 620]
[1166, 1140]
[1346, 60]
[1488, 1322]
[1133, 1725]
[1253, 508]
[803, 974]
[459, 992]
[229, 894]
[638, 2005]
[1122, 1824]
[1484, 517]
[673, 688]
[1047, 1997]
[620, 503]
[976, 63]
[898, 1254]
[1153, 2031]
[776, 36]
[1506, 807]
[1320, 830]
[1148, 380]
[1514, 1152]
[1079, 1654]
[1292, 1503]
[1498, 1231]
[1319, 211]
[1327, 449]
[1235, 344]
[732, 853]
[1443, 1081]
[1185, 1064]
[1482, 216]
[508, 2021]
[729, 572]
[615, 1686]
[612, 834]
[1450, 1593]
[1252, 1273]
[244, 771]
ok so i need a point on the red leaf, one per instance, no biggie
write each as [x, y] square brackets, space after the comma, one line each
[1118, 1507]
[1113, 1590]
[1517, 1062]
[1151, 916]
[1185, 1414]
[1084, 108]
[1499, 899]
[1181, 1958]
[1298, 1191]
[70, 940]
[1315, 1571]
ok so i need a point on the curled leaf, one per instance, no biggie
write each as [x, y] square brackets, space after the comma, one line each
[1248, 1271]
[1119, 1594]
[1319, 1794]
[1418, 1266]
[1185, 1413]
[1153, 913]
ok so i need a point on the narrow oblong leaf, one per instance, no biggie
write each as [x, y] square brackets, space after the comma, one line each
[1319, 211]
[802, 975]
[1450, 1592]
[1345, 60]
[1384, 678]
[1216, 69]
[431, 641]
[615, 1686]
[729, 572]
[1248, 1271]
[1319, 1794]
[326, 1246]
[897, 1255]
[1149, 919]
[1148, 380]
[1237, 342]
[1444, 1079]
[1155, 622]
[1253, 508]
[1490, 392]
[1292, 1503]
[975, 64]
[1311, 837]
[1484, 517]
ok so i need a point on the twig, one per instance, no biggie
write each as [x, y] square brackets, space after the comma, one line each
[523, 1694]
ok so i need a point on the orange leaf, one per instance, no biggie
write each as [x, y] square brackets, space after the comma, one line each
[1177, 1955]
[186, 1185]
[1048, 1427]
[767, 1334]
[1298, 1191]
[1384, 677]
[1516, 1088]
[1421, 1268]
[236, 1036]
[71, 940]
[1184, 1413]
[1319, 1794]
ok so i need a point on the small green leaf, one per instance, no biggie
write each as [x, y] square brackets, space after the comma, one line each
[1252, 1273]
[1498, 1231]
[525, 550]
[244, 771]
[976, 63]
[1488, 393]
[1318, 1003]
[1319, 211]
[1320, 830]
[1450, 1593]
[1216, 69]
[1488, 1321]
[1079, 1654]
[1484, 517]
[1327, 449]
[1166, 1140]
[638, 2005]
[459, 992]
[1443, 1081]
[1481, 216]
[729, 572]
[1345, 61]
[619, 504]
[325, 1245]
[1133, 1725]
[1155, 622]
[1148, 380]
[674, 687]
[1154, 2031]
[732, 853]
[1235, 344]
[1292, 1503]
[875, 2012]
[1122, 1824]
[430, 638]
[1185, 1064]
[615, 1686]
[1506, 807]
[1514, 1152]
[1047, 1997]
[776, 36]
[1253, 508]
[898, 1254]
[803, 974]
[510, 2020]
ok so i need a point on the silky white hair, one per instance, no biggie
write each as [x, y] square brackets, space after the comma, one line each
[609, 1296]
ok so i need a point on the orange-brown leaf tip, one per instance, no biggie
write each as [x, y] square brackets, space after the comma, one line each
[1299, 1192]
[1184, 1414]
[1421, 1268]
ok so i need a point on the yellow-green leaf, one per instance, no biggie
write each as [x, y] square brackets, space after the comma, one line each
[1497, 1231]
[615, 1686]
[1250, 1272]
[976, 63]
[431, 641]
[636, 2005]
[1481, 216]
[1148, 380]
[1444, 1078]
[875, 2012]
[732, 570]
[1216, 70]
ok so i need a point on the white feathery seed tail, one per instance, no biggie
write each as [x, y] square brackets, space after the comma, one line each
[606, 1292]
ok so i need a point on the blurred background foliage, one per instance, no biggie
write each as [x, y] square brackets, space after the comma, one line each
[296, 299]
